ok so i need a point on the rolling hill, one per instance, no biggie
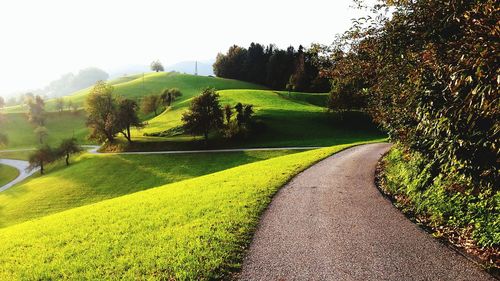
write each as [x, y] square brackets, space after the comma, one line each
[192, 229]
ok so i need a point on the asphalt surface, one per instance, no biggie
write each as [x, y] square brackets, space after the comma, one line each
[331, 223]
[21, 166]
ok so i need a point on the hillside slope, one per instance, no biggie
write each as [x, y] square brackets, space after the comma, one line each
[194, 229]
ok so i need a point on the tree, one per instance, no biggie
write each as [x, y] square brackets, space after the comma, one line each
[3, 136]
[204, 114]
[40, 157]
[228, 112]
[2, 102]
[231, 65]
[157, 66]
[41, 133]
[60, 104]
[151, 104]
[127, 117]
[168, 96]
[36, 109]
[102, 110]
[68, 147]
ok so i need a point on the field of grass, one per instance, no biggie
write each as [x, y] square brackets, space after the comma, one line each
[93, 178]
[7, 174]
[18, 155]
[194, 229]
[59, 125]
[67, 124]
[291, 120]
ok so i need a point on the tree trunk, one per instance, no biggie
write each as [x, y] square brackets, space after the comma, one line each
[67, 159]
[129, 138]
[41, 167]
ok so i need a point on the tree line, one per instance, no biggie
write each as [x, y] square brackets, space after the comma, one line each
[290, 69]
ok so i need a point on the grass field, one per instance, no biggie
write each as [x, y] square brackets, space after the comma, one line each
[297, 119]
[59, 125]
[18, 155]
[7, 174]
[193, 229]
[93, 178]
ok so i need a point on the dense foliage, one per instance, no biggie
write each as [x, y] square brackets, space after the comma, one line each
[204, 114]
[458, 216]
[108, 114]
[288, 69]
[427, 71]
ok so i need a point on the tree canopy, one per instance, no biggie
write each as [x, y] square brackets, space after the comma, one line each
[204, 114]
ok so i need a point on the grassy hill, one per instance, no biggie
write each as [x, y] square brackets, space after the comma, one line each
[193, 229]
[7, 174]
[298, 119]
[59, 125]
[93, 178]
[20, 131]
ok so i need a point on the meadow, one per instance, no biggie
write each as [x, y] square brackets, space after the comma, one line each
[7, 174]
[193, 229]
[93, 178]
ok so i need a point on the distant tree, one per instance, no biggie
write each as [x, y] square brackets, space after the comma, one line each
[168, 96]
[73, 106]
[40, 157]
[228, 112]
[68, 147]
[127, 117]
[151, 103]
[102, 110]
[60, 104]
[2, 102]
[3, 136]
[204, 114]
[41, 133]
[36, 110]
[157, 66]
[255, 64]
[231, 65]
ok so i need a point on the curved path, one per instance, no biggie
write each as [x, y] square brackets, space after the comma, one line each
[331, 223]
[21, 166]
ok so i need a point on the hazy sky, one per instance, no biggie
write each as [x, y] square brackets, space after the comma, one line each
[40, 40]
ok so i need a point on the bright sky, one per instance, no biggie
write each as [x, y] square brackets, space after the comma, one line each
[41, 40]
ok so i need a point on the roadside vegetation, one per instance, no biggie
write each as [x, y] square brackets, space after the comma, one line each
[192, 229]
[428, 74]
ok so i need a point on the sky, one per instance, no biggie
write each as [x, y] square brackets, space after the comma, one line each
[41, 40]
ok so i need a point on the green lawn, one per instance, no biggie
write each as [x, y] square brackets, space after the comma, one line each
[195, 229]
[297, 119]
[19, 155]
[93, 178]
[7, 174]
[21, 134]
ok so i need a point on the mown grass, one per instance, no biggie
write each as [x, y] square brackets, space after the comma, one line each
[93, 178]
[290, 120]
[63, 125]
[18, 155]
[7, 174]
[196, 229]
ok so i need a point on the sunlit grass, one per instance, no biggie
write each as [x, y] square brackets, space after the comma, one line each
[93, 178]
[195, 229]
[7, 174]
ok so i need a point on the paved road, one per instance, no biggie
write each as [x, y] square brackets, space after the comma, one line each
[331, 223]
[21, 167]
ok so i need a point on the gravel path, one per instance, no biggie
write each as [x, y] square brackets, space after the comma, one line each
[331, 223]
[21, 167]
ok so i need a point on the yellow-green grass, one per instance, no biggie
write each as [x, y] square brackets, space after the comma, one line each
[294, 119]
[196, 229]
[136, 86]
[93, 178]
[7, 174]
[16, 154]
[20, 131]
